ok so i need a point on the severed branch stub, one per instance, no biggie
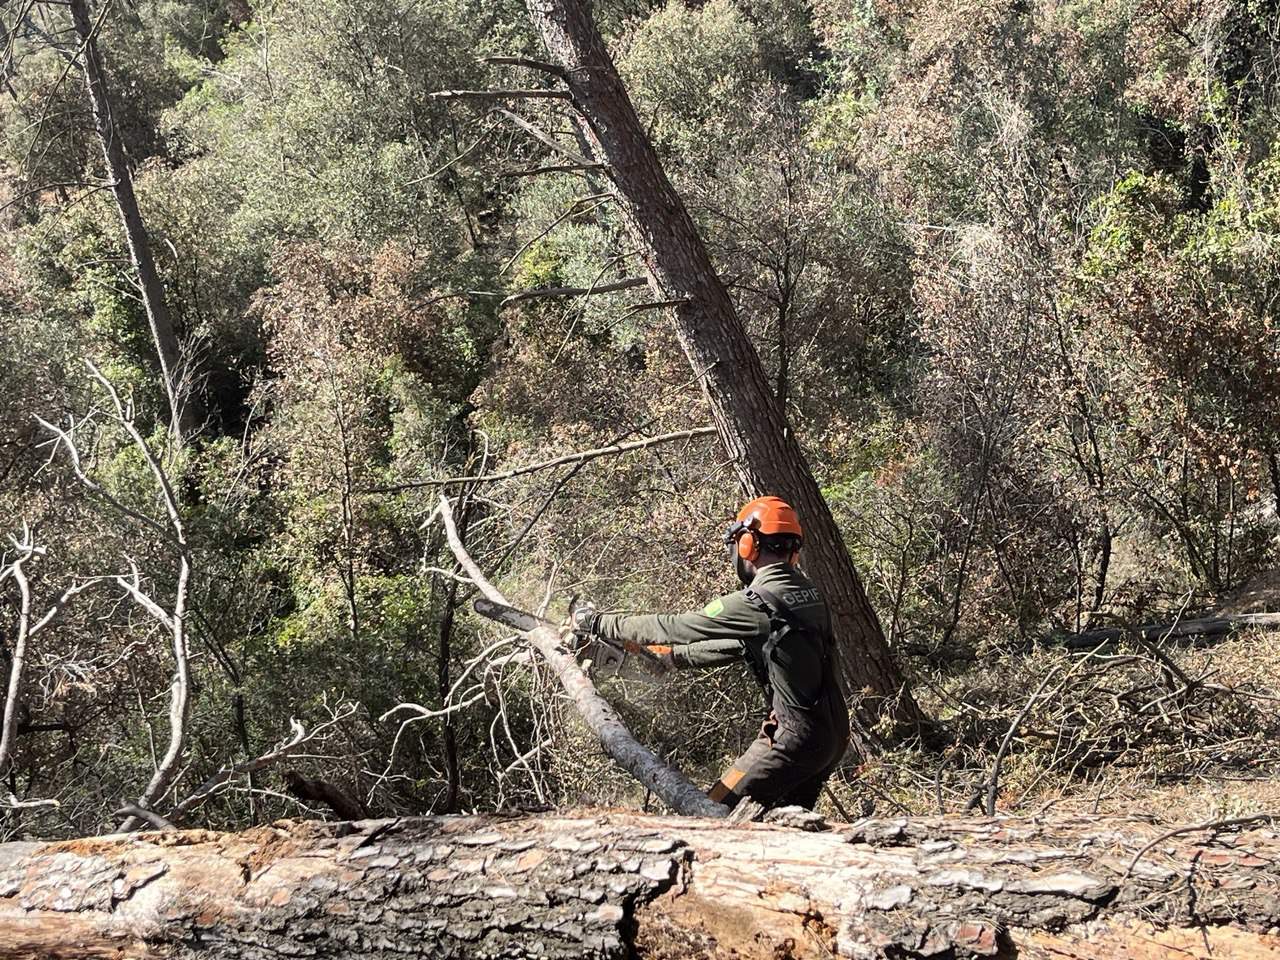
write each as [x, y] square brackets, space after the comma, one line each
[666, 783]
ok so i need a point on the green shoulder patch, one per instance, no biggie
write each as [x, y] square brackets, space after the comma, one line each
[714, 608]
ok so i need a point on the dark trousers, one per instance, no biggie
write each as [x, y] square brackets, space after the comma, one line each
[787, 764]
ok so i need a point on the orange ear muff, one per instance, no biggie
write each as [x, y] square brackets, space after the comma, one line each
[748, 549]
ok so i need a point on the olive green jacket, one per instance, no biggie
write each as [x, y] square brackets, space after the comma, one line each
[736, 627]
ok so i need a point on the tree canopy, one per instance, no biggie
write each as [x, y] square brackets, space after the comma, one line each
[1010, 269]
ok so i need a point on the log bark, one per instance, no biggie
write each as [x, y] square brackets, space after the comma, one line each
[607, 884]
[752, 428]
[183, 409]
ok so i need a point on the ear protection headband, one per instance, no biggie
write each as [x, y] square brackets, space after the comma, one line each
[742, 534]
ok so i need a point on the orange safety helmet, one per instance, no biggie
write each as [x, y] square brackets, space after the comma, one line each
[763, 517]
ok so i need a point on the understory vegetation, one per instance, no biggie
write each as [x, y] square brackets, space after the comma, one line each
[1012, 269]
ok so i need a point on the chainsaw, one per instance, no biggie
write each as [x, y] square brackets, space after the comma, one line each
[606, 656]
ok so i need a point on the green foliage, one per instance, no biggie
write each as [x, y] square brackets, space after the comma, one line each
[1010, 270]
[691, 70]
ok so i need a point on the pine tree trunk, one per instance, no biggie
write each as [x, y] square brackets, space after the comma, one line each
[751, 427]
[592, 884]
[183, 409]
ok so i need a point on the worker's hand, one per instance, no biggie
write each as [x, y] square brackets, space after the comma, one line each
[582, 620]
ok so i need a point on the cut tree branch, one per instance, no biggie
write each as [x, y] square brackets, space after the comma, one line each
[666, 783]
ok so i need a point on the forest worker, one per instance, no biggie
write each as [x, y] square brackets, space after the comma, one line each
[780, 626]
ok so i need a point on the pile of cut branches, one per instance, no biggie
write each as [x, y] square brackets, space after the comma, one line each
[1064, 724]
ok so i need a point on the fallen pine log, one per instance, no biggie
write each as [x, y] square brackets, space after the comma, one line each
[1218, 626]
[620, 884]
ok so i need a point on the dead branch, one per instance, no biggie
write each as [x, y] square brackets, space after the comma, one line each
[1214, 825]
[527, 94]
[665, 782]
[66, 439]
[27, 550]
[580, 457]
[11, 802]
[543, 137]
[992, 786]
[1218, 626]
[174, 619]
[552, 168]
[134, 812]
[323, 792]
[540, 65]
[574, 208]
[286, 748]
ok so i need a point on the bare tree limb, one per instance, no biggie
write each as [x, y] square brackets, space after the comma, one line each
[286, 748]
[174, 619]
[1214, 825]
[574, 208]
[580, 457]
[135, 812]
[552, 168]
[27, 550]
[66, 439]
[540, 65]
[11, 802]
[528, 94]
[665, 781]
[543, 137]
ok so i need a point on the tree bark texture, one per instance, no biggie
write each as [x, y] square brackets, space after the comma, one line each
[751, 426]
[617, 885]
[184, 412]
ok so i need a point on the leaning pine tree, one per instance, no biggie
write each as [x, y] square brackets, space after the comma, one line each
[680, 272]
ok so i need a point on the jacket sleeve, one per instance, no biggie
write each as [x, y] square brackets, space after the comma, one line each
[720, 633]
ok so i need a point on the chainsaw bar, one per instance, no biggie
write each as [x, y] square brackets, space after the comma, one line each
[511, 616]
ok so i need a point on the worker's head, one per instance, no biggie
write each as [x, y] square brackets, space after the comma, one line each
[765, 531]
